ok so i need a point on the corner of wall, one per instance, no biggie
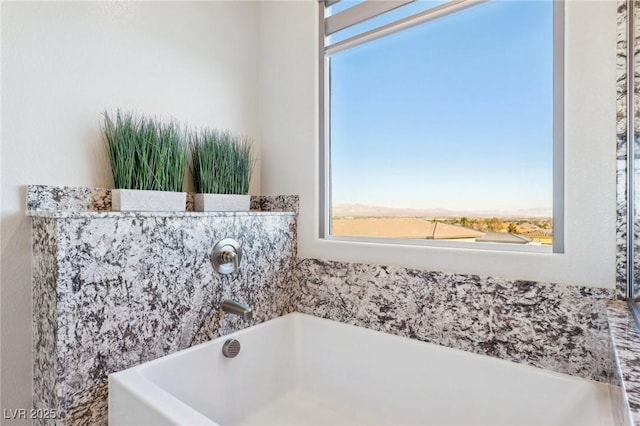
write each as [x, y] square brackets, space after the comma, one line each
[1, 4]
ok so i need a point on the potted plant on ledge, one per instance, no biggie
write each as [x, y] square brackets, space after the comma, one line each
[221, 168]
[148, 160]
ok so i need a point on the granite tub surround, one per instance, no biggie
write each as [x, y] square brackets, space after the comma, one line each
[47, 388]
[618, 399]
[626, 341]
[560, 328]
[113, 290]
[41, 198]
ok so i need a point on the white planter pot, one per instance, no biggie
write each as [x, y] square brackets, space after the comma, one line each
[221, 203]
[126, 200]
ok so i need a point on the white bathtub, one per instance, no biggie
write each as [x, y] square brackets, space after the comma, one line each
[302, 370]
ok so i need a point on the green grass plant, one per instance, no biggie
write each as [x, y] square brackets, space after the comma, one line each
[145, 153]
[221, 163]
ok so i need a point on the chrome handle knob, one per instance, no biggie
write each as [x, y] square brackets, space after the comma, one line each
[229, 255]
[226, 256]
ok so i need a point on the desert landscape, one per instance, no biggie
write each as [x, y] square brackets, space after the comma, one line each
[534, 228]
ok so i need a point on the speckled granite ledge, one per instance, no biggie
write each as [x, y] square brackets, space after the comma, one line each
[270, 203]
[626, 341]
[123, 215]
[42, 198]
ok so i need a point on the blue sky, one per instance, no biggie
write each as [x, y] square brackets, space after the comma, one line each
[454, 114]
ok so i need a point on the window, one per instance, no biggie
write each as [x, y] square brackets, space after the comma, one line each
[293, 153]
[443, 123]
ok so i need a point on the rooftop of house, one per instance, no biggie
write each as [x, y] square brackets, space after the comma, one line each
[503, 237]
[444, 231]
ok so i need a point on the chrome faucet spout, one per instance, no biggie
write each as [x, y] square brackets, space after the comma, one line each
[237, 308]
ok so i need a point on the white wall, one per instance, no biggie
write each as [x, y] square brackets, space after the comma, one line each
[0, 203]
[62, 64]
[289, 111]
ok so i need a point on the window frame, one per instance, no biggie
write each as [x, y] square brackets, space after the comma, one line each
[450, 8]
[590, 163]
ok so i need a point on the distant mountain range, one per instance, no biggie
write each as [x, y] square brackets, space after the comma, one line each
[362, 210]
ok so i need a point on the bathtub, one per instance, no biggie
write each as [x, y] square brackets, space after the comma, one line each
[303, 370]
